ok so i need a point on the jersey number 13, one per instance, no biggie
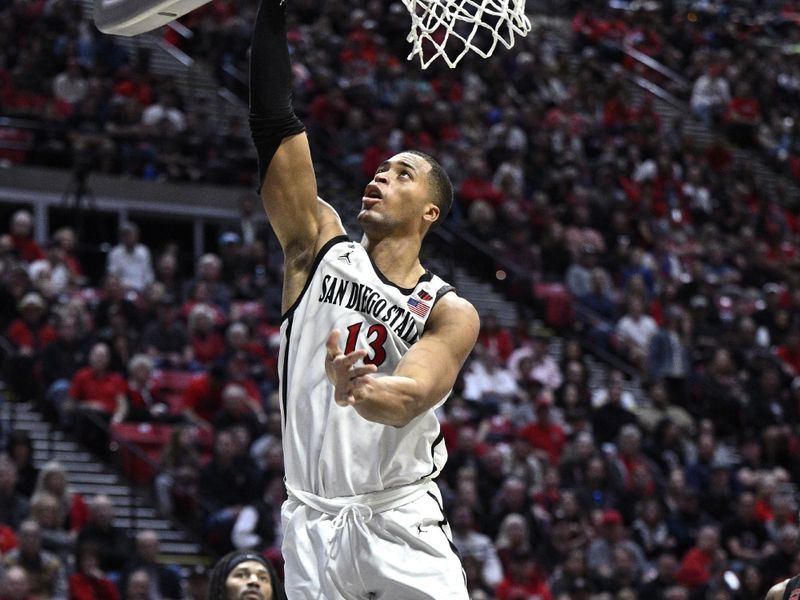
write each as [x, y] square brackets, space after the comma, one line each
[376, 336]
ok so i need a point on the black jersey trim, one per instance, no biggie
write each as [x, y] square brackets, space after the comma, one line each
[443, 291]
[441, 525]
[435, 443]
[285, 371]
[426, 276]
[317, 259]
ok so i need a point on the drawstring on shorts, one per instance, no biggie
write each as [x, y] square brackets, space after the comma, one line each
[356, 514]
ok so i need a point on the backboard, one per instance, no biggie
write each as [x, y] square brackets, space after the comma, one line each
[131, 17]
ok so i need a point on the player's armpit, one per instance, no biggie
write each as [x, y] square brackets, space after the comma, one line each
[428, 370]
[330, 224]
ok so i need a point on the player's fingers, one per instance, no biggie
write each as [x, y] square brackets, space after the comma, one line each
[342, 365]
[340, 395]
[332, 344]
[344, 398]
[349, 360]
[356, 389]
[359, 371]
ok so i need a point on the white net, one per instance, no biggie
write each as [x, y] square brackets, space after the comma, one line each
[451, 28]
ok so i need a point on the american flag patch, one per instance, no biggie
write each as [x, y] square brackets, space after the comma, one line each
[417, 307]
[424, 295]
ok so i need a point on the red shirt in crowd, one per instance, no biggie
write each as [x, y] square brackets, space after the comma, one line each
[744, 109]
[85, 587]
[534, 589]
[8, 539]
[128, 88]
[548, 437]
[790, 356]
[695, 569]
[359, 46]
[203, 396]
[208, 348]
[598, 29]
[88, 386]
[764, 510]
[26, 248]
[22, 335]
[499, 341]
[78, 513]
[476, 188]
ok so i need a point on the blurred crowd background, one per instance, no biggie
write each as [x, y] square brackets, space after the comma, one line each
[633, 435]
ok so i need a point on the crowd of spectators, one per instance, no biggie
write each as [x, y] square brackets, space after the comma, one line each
[84, 100]
[739, 60]
[674, 259]
[56, 545]
[151, 346]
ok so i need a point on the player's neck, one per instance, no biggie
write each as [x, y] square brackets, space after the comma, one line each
[397, 258]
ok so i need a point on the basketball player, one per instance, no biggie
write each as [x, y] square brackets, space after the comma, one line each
[786, 590]
[371, 344]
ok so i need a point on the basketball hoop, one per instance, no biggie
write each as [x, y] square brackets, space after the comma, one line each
[439, 28]
[132, 17]
[451, 28]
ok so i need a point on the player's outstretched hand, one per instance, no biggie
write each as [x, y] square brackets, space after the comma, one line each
[343, 372]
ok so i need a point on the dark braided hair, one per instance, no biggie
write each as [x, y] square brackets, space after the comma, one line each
[226, 564]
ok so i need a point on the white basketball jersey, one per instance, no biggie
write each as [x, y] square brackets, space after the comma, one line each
[331, 450]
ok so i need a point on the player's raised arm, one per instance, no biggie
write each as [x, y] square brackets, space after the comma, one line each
[288, 183]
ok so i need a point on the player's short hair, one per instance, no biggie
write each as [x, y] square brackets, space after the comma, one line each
[440, 184]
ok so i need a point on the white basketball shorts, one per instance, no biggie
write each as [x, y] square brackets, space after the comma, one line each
[404, 553]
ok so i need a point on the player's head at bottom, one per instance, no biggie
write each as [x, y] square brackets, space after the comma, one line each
[243, 575]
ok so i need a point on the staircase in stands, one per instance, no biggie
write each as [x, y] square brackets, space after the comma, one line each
[88, 476]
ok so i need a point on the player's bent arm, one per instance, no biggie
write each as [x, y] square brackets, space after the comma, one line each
[777, 591]
[428, 370]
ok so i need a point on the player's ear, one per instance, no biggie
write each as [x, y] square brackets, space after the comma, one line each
[431, 213]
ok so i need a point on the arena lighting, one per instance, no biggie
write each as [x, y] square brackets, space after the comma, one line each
[132, 17]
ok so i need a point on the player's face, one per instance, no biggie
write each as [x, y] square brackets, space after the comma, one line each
[398, 197]
[250, 580]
